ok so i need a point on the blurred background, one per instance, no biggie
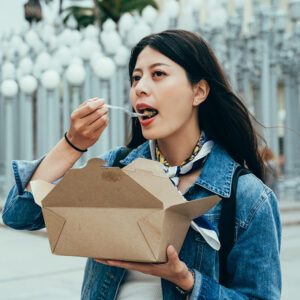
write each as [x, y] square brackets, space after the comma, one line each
[56, 54]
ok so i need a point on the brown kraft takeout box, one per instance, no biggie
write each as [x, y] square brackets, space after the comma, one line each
[130, 214]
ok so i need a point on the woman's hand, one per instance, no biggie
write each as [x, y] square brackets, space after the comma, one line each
[174, 270]
[87, 123]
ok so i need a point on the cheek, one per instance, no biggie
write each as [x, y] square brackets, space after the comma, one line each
[132, 96]
[178, 104]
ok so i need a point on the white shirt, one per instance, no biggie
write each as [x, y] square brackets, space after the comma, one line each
[137, 285]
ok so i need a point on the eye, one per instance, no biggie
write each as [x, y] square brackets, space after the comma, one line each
[135, 78]
[158, 73]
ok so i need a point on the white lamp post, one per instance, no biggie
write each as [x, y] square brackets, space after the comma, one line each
[94, 88]
[50, 81]
[111, 42]
[23, 50]
[75, 75]
[140, 30]
[43, 61]
[8, 71]
[64, 56]
[76, 60]
[71, 22]
[31, 37]
[122, 94]
[125, 24]
[26, 65]
[28, 85]
[162, 22]
[104, 69]
[172, 7]
[109, 25]
[75, 38]
[186, 20]
[91, 32]
[149, 14]
[87, 48]
[9, 91]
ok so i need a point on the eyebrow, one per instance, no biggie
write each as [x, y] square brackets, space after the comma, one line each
[152, 66]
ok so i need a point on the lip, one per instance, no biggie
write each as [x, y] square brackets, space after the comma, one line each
[147, 121]
[142, 105]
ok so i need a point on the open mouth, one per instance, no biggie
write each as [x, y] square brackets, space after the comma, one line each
[148, 113]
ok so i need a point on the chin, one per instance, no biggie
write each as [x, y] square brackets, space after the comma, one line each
[153, 134]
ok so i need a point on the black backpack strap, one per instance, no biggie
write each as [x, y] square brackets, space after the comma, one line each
[121, 155]
[227, 224]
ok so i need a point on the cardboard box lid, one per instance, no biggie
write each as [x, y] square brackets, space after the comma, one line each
[149, 186]
[94, 197]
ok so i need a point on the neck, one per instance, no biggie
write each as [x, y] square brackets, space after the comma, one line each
[177, 148]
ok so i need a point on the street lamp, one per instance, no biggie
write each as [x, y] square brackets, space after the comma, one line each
[9, 91]
[28, 85]
[50, 81]
[122, 93]
[104, 69]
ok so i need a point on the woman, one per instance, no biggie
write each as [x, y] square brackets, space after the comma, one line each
[200, 131]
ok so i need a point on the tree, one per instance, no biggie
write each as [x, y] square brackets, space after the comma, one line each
[104, 9]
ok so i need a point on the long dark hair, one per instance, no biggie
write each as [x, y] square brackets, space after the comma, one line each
[223, 116]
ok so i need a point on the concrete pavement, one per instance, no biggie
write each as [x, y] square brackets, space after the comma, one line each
[30, 271]
[290, 262]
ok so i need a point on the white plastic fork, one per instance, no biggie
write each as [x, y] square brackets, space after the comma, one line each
[130, 113]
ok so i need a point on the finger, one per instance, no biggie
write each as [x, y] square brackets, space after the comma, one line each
[103, 261]
[89, 108]
[97, 114]
[100, 124]
[172, 255]
[87, 101]
[144, 268]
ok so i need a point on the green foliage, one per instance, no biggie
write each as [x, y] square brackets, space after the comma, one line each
[108, 9]
[83, 15]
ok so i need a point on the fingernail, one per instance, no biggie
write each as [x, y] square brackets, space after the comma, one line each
[94, 104]
[91, 99]
[171, 249]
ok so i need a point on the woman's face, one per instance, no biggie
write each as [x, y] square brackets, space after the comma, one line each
[161, 86]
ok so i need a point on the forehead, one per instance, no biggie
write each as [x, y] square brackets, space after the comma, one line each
[150, 56]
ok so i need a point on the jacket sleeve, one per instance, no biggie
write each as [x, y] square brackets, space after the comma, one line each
[253, 264]
[20, 211]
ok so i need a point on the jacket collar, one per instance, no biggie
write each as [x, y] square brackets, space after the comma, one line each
[217, 172]
[142, 151]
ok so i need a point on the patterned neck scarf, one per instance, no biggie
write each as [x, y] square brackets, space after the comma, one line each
[194, 162]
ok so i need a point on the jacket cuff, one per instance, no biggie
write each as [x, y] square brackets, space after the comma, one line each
[23, 171]
[204, 288]
[197, 286]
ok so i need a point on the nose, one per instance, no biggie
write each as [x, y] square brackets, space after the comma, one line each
[142, 88]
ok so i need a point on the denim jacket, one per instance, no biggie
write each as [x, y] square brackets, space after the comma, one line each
[253, 264]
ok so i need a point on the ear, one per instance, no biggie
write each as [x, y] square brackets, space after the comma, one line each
[201, 91]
